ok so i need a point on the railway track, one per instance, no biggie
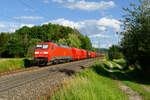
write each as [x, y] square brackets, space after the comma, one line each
[6, 73]
[7, 83]
[17, 71]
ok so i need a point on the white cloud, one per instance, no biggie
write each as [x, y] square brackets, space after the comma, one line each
[99, 44]
[2, 25]
[71, 1]
[29, 25]
[107, 45]
[12, 26]
[99, 36]
[89, 27]
[90, 6]
[64, 22]
[12, 30]
[58, 1]
[111, 23]
[46, 1]
[102, 29]
[29, 18]
[95, 44]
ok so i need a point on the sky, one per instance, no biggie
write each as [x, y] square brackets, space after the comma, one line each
[98, 19]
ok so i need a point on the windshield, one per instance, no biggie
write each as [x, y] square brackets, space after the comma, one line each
[42, 46]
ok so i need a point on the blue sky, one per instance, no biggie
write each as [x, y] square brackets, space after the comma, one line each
[99, 19]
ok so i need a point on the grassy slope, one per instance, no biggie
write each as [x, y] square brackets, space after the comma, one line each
[11, 64]
[91, 84]
[95, 84]
[134, 85]
[121, 62]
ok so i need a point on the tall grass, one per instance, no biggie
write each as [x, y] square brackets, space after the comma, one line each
[11, 64]
[121, 62]
[95, 83]
[130, 79]
[134, 85]
[91, 84]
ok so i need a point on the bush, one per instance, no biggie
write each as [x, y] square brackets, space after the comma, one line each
[114, 52]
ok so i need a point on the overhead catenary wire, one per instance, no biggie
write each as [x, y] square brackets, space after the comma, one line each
[37, 10]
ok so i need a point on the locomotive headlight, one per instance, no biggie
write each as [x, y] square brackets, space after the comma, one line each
[36, 52]
[45, 52]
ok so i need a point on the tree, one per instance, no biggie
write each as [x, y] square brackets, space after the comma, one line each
[74, 41]
[114, 52]
[15, 47]
[31, 47]
[22, 42]
[4, 37]
[85, 42]
[136, 34]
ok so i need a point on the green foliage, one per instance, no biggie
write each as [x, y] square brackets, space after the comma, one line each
[91, 84]
[132, 79]
[63, 41]
[114, 52]
[31, 47]
[101, 50]
[11, 64]
[74, 41]
[4, 37]
[85, 42]
[15, 47]
[136, 35]
[22, 42]
[121, 62]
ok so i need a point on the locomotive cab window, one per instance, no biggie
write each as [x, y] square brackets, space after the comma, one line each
[45, 46]
[42, 46]
[39, 46]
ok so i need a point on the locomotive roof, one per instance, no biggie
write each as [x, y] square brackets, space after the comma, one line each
[61, 45]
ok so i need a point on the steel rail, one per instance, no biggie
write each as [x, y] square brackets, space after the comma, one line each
[36, 71]
[7, 84]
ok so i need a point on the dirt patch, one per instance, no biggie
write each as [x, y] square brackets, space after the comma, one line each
[133, 95]
[144, 86]
[111, 67]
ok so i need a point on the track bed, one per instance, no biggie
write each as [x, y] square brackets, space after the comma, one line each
[33, 84]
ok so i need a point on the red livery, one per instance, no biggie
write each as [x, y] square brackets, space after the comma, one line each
[83, 54]
[52, 52]
[76, 53]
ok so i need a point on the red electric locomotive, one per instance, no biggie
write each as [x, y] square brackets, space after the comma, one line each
[51, 52]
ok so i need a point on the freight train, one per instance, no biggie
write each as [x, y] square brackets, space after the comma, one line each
[50, 52]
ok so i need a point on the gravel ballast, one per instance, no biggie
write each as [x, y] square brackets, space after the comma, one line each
[36, 89]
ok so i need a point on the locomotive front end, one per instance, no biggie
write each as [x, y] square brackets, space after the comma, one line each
[41, 54]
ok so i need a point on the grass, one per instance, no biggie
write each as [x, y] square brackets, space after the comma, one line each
[92, 84]
[121, 62]
[95, 83]
[11, 64]
[127, 80]
[135, 86]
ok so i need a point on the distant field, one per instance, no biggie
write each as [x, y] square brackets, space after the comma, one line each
[7, 64]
